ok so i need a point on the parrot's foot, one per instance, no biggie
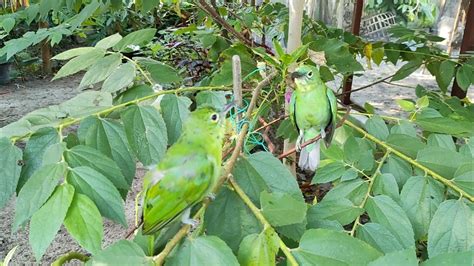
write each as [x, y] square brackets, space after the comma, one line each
[298, 147]
[211, 196]
[299, 140]
[186, 219]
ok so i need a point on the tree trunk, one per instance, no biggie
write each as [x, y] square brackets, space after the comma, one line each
[46, 52]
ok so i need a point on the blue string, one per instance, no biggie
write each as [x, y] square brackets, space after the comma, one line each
[253, 138]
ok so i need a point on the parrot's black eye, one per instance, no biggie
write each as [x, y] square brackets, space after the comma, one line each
[214, 117]
[310, 74]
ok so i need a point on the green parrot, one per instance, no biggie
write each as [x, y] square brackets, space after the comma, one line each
[187, 173]
[313, 109]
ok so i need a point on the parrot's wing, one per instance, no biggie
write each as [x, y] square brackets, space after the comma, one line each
[331, 127]
[292, 110]
[179, 188]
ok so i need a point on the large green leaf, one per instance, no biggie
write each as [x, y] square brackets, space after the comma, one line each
[86, 103]
[379, 237]
[326, 247]
[33, 153]
[136, 38]
[9, 170]
[146, 133]
[120, 78]
[406, 257]
[84, 223]
[81, 155]
[230, 219]
[108, 137]
[36, 191]
[445, 74]
[377, 127]
[443, 161]
[282, 209]
[101, 69]
[406, 144]
[399, 168]
[420, 197]
[259, 249]
[385, 211]
[386, 184]
[161, 73]
[109, 41]
[444, 125]
[462, 77]
[446, 259]
[451, 229]
[328, 173]
[442, 141]
[406, 70]
[123, 252]
[463, 177]
[215, 99]
[262, 171]
[203, 250]
[46, 222]
[97, 187]
[175, 110]
[66, 55]
[341, 210]
[354, 190]
[80, 62]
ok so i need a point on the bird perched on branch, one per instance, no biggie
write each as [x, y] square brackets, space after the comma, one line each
[313, 108]
[187, 173]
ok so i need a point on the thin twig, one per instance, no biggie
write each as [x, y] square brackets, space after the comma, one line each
[160, 258]
[367, 86]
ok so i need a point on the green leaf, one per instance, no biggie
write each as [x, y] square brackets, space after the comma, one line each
[146, 133]
[406, 70]
[379, 236]
[84, 223]
[406, 106]
[455, 258]
[354, 190]
[33, 153]
[326, 247]
[377, 127]
[420, 197]
[138, 38]
[349, 174]
[54, 153]
[175, 110]
[351, 150]
[442, 141]
[262, 171]
[392, 52]
[328, 173]
[86, 103]
[386, 184]
[80, 62]
[36, 191]
[66, 55]
[9, 170]
[468, 148]
[81, 155]
[8, 24]
[314, 223]
[123, 252]
[341, 210]
[405, 128]
[230, 219]
[399, 168]
[377, 55]
[203, 250]
[215, 99]
[109, 41]
[383, 210]
[108, 137]
[446, 74]
[406, 257]
[444, 125]
[161, 73]
[441, 160]
[326, 74]
[135, 92]
[450, 229]
[97, 187]
[259, 249]
[287, 130]
[120, 78]
[462, 77]
[408, 145]
[463, 177]
[101, 69]
[46, 222]
[282, 209]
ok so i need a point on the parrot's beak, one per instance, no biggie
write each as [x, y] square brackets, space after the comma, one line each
[296, 75]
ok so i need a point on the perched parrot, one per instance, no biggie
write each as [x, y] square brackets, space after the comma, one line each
[313, 108]
[187, 173]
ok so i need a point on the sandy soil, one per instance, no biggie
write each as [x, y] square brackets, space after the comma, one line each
[20, 98]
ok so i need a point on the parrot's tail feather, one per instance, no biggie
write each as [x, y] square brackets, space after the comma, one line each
[309, 160]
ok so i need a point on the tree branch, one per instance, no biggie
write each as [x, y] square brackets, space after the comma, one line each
[68, 257]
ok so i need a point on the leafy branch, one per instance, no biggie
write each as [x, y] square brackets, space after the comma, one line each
[428, 171]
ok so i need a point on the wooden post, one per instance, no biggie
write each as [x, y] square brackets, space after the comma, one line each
[466, 45]
[237, 84]
[454, 30]
[356, 18]
[46, 52]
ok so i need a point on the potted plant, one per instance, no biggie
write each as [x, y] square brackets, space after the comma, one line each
[5, 67]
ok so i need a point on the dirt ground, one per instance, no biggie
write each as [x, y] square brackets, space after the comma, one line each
[20, 98]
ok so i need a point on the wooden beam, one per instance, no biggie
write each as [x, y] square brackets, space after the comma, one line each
[356, 18]
[466, 45]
